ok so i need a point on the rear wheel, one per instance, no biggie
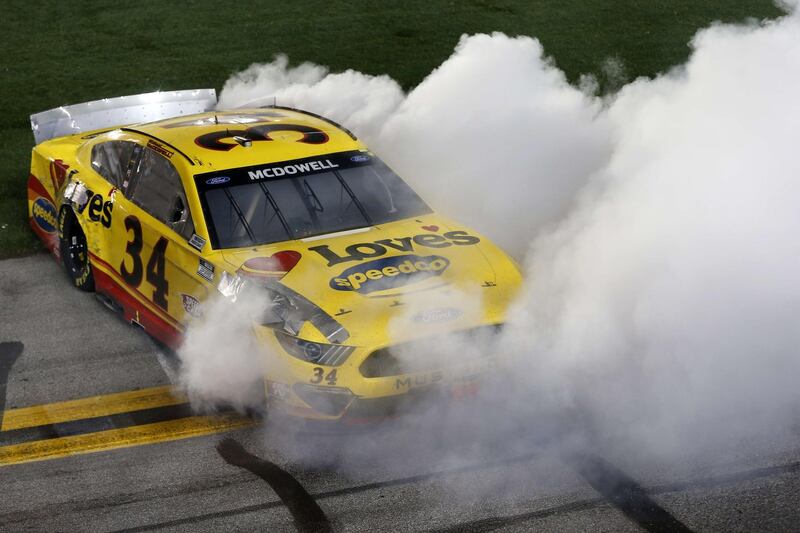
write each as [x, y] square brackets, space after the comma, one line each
[74, 251]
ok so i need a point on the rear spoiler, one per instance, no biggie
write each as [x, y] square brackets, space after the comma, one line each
[120, 111]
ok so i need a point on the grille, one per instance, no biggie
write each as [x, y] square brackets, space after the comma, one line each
[419, 355]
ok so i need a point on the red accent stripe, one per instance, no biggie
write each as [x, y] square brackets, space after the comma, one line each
[35, 185]
[138, 295]
[152, 323]
[160, 326]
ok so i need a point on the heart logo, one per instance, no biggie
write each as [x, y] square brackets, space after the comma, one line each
[432, 229]
[275, 266]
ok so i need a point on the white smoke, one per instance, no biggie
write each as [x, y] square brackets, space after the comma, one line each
[360, 101]
[222, 364]
[496, 136]
[665, 303]
[494, 133]
[659, 228]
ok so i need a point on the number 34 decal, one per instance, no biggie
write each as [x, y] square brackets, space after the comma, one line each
[156, 265]
[319, 375]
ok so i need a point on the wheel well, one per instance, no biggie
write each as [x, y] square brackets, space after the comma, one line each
[80, 269]
[67, 211]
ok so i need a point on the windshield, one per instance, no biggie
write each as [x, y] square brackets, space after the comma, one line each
[303, 198]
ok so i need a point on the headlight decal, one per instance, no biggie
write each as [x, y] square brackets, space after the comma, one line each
[313, 352]
[288, 310]
[294, 310]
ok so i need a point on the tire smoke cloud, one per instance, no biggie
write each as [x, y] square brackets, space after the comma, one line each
[658, 227]
[222, 364]
[664, 303]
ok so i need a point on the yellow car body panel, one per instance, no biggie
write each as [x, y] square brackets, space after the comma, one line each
[404, 280]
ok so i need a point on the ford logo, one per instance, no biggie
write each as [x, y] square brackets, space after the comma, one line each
[359, 158]
[429, 316]
[217, 180]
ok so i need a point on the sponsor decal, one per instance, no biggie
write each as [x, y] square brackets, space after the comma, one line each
[214, 140]
[156, 147]
[217, 180]
[465, 390]
[430, 316]
[191, 305]
[369, 250]
[389, 273]
[462, 378]
[359, 158]
[44, 214]
[274, 267]
[293, 168]
[97, 208]
[279, 391]
[205, 270]
[197, 241]
[419, 380]
[290, 170]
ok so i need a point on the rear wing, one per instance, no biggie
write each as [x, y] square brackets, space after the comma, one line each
[120, 111]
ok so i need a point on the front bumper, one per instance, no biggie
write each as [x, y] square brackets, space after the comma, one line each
[357, 391]
[411, 393]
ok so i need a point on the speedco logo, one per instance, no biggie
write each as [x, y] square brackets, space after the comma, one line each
[389, 273]
[44, 214]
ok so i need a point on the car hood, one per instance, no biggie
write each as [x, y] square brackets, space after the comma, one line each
[406, 279]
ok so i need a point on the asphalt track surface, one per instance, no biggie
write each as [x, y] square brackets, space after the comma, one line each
[93, 440]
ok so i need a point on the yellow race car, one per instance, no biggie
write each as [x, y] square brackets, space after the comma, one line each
[159, 215]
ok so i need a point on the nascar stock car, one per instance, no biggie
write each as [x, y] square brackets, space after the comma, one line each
[185, 202]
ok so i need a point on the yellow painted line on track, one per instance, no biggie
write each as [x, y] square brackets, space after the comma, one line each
[94, 406]
[171, 430]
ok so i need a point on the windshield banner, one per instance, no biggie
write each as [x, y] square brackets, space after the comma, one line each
[284, 169]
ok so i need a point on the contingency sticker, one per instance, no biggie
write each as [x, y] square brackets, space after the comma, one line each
[205, 270]
[191, 305]
[197, 241]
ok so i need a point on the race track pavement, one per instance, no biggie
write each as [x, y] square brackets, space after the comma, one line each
[94, 438]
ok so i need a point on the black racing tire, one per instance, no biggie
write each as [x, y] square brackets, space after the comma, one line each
[75, 251]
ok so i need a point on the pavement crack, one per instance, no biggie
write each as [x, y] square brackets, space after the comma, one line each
[307, 514]
[9, 353]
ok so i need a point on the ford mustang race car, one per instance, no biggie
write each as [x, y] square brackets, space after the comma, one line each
[185, 203]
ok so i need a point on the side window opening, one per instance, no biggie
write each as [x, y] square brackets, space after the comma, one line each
[112, 161]
[156, 187]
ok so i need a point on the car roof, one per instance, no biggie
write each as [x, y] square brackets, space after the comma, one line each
[218, 140]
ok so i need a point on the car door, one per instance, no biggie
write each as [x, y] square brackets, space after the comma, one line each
[155, 259]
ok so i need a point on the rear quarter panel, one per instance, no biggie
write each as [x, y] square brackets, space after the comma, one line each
[51, 164]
